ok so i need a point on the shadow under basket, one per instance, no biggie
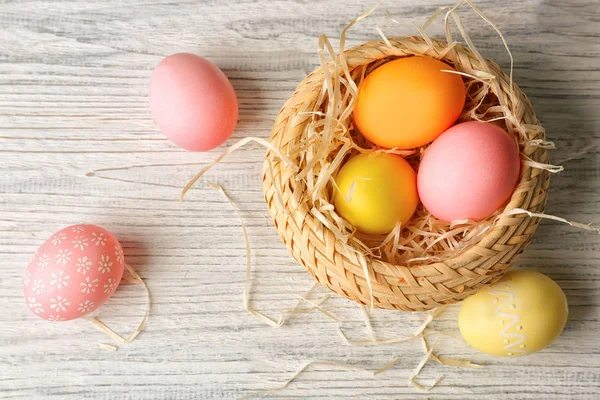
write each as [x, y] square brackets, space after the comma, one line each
[338, 266]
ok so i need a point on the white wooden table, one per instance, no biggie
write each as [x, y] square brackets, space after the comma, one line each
[77, 144]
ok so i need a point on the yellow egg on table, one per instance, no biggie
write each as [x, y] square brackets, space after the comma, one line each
[375, 191]
[520, 314]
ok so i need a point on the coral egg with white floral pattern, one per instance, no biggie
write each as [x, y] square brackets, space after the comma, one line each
[73, 273]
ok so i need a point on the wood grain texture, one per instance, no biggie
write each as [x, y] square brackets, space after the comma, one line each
[77, 144]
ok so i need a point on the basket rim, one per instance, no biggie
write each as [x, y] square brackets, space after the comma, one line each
[495, 251]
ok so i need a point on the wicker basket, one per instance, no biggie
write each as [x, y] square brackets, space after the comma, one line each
[414, 288]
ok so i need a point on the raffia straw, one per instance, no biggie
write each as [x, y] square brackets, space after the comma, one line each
[368, 325]
[378, 342]
[467, 38]
[553, 169]
[420, 29]
[283, 317]
[517, 211]
[375, 341]
[248, 285]
[387, 366]
[323, 311]
[412, 379]
[446, 361]
[295, 309]
[580, 153]
[431, 315]
[419, 334]
[104, 328]
[342, 366]
[109, 347]
[317, 304]
[230, 150]
[452, 362]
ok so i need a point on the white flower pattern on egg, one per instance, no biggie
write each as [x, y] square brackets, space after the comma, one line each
[110, 285]
[80, 243]
[78, 229]
[83, 265]
[58, 238]
[43, 261]
[59, 280]
[63, 256]
[104, 264]
[99, 239]
[27, 278]
[59, 304]
[86, 306]
[55, 318]
[34, 305]
[38, 286]
[119, 254]
[89, 286]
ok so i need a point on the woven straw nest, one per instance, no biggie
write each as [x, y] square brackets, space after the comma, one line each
[337, 264]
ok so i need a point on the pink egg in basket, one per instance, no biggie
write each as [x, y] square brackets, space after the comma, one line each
[468, 172]
[73, 273]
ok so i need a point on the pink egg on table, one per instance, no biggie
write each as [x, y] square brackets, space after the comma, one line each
[193, 102]
[468, 172]
[73, 273]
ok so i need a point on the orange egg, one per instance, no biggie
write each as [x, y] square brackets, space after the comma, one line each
[408, 102]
